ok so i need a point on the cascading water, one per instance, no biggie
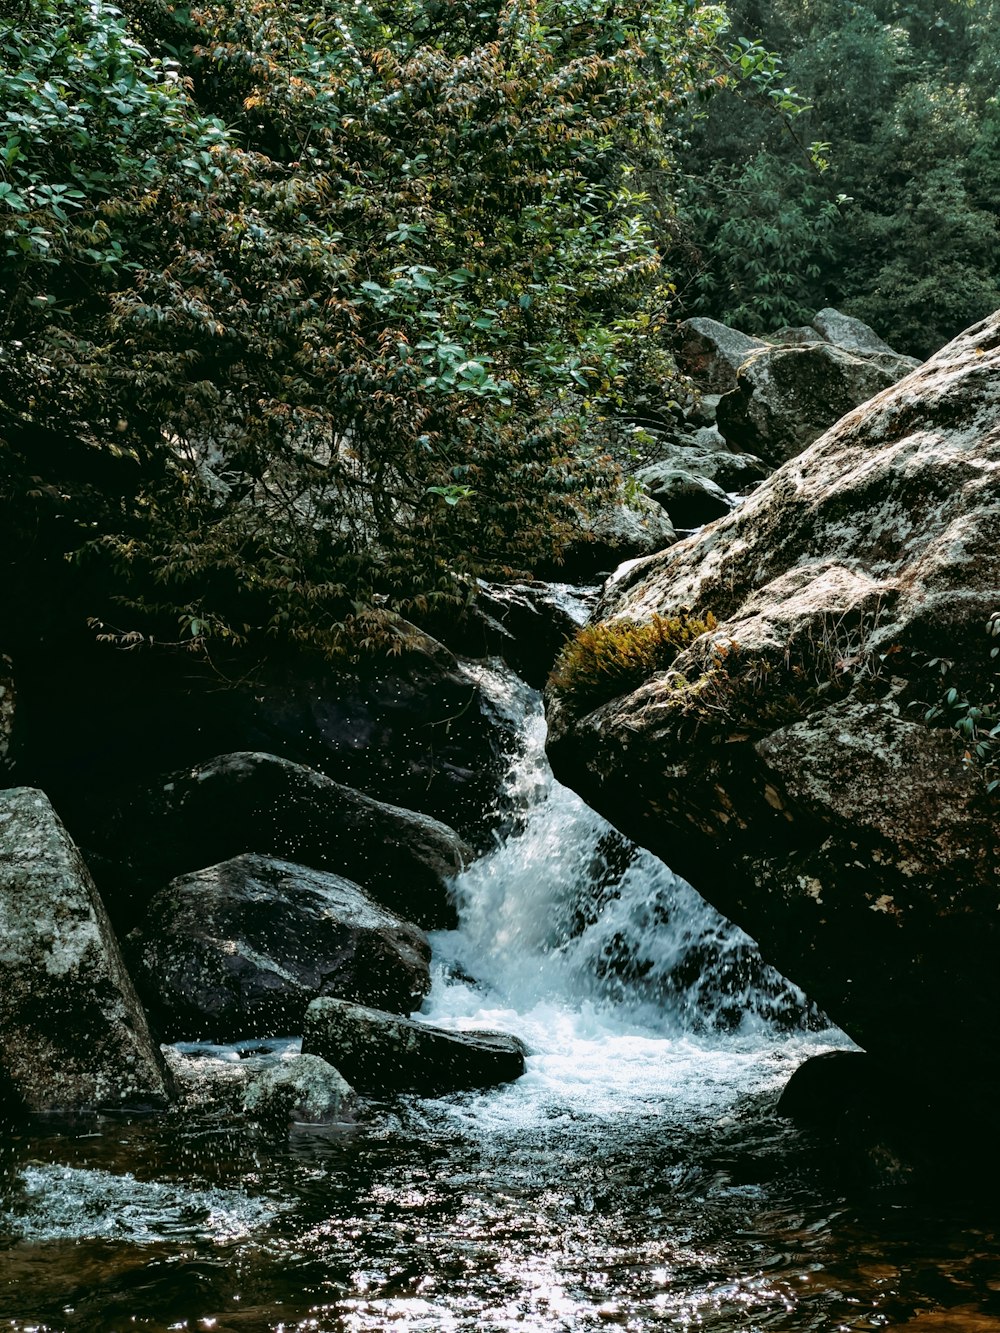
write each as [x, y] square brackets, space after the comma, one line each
[632, 1178]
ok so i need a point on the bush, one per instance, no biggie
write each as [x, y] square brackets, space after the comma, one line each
[615, 657]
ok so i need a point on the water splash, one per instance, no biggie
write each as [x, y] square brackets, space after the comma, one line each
[565, 910]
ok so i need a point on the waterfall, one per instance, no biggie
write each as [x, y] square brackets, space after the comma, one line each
[625, 983]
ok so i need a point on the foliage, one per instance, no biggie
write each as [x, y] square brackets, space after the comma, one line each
[329, 309]
[977, 724]
[897, 222]
[614, 657]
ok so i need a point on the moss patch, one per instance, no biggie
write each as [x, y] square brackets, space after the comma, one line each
[615, 657]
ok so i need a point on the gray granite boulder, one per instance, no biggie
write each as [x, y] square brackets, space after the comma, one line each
[711, 353]
[690, 498]
[704, 454]
[74, 1033]
[303, 1089]
[786, 397]
[379, 1052]
[240, 949]
[786, 765]
[625, 527]
[854, 336]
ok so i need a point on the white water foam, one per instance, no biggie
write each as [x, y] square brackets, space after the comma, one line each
[630, 991]
[79, 1203]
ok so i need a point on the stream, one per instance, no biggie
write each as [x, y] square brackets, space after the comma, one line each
[634, 1178]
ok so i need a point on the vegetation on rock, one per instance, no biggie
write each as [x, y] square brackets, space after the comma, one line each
[615, 657]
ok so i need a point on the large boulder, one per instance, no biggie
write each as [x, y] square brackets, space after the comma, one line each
[303, 1089]
[785, 397]
[690, 498]
[785, 762]
[409, 727]
[74, 1034]
[853, 335]
[240, 949]
[253, 802]
[711, 353]
[524, 623]
[379, 1052]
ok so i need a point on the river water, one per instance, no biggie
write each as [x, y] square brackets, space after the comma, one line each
[634, 1178]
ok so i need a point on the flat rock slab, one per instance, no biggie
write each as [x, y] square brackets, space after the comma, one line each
[379, 1052]
[74, 1033]
[238, 950]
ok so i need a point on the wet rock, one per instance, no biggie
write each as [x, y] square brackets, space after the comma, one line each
[303, 1089]
[795, 780]
[889, 1119]
[689, 499]
[410, 729]
[74, 1034]
[239, 949]
[253, 802]
[786, 397]
[711, 353]
[525, 624]
[703, 454]
[379, 1052]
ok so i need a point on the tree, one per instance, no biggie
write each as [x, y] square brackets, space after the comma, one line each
[342, 299]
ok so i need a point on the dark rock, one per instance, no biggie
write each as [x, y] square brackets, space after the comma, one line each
[785, 397]
[525, 624]
[251, 802]
[379, 1052]
[7, 710]
[624, 528]
[689, 499]
[239, 949]
[711, 353]
[74, 1034]
[795, 780]
[411, 729]
[888, 1118]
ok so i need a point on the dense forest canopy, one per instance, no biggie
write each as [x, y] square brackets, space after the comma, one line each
[311, 313]
[901, 229]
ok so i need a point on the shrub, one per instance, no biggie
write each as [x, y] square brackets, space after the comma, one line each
[616, 657]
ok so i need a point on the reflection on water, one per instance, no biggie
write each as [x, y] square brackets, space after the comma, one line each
[634, 1178]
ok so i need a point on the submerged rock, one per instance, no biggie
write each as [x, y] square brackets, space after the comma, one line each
[785, 765]
[253, 802]
[74, 1034]
[239, 950]
[303, 1089]
[380, 1052]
